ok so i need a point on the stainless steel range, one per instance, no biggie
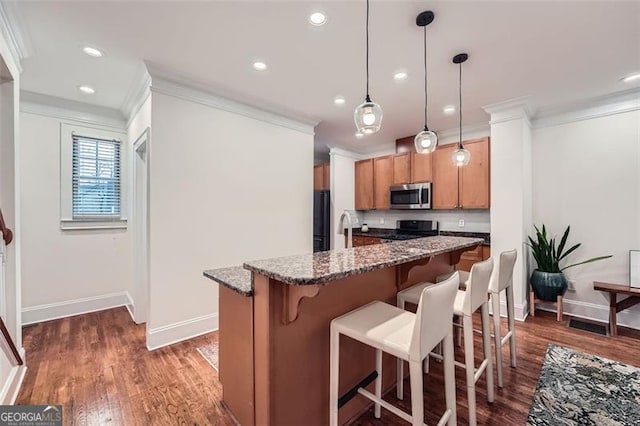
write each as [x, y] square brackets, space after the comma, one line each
[411, 229]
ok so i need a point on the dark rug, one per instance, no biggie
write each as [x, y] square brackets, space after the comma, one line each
[210, 353]
[582, 389]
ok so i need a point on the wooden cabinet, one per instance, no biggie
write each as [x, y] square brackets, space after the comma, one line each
[402, 168]
[359, 241]
[462, 187]
[382, 180]
[445, 179]
[421, 168]
[469, 258]
[321, 177]
[364, 185]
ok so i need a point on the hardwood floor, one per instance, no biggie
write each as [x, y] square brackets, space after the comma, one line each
[97, 367]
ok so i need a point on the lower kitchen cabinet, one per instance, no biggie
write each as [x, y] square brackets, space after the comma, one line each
[470, 257]
[359, 241]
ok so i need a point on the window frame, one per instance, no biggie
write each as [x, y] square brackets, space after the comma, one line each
[67, 220]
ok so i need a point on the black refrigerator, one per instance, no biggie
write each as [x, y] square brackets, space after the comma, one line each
[321, 221]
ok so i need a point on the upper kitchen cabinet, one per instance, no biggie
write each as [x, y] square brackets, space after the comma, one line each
[364, 185]
[402, 168]
[321, 177]
[474, 178]
[421, 168]
[382, 181]
[445, 179]
[461, 187]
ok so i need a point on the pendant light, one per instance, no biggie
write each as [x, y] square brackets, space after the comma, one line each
[368, 115]
[460, 156]
[425, 141]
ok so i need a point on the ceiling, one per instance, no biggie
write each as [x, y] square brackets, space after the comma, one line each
[556, 52]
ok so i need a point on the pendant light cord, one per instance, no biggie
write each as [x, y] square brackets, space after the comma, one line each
[460, 104]
[425, 78]
[367, 32]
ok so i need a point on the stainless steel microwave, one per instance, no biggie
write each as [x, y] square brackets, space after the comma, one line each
[410, 196]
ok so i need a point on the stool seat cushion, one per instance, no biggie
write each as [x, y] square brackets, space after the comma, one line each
[464, 277]
[458, 305]
[380, 325]
[412, 294]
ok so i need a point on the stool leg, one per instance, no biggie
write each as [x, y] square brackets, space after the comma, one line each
[495, 300]
[376, 410]
[417, 398]
[512, 326]
[450, 378]
[334, 377]
[486, 343]
[400, 366]
[469, 368]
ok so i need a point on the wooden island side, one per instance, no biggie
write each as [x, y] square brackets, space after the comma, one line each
[293, 302]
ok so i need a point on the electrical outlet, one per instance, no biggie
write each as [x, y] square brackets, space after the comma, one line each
[382, 221]
[570, 286]
[461, 223]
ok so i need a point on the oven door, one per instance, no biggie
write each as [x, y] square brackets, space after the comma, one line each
[412, 196]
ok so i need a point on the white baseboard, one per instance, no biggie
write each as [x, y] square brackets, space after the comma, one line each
[174, 333]
[594, 312]
[130, 306]
[520, 311]
[69, 308]
[12, 385]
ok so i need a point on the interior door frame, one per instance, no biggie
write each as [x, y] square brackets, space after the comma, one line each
[140, 210]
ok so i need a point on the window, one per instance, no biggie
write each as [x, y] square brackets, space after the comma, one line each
[92, 178]
[96, 178]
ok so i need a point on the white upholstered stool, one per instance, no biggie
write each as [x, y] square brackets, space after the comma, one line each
[467, 302]
[406, 336]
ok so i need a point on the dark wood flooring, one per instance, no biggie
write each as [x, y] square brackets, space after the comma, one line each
[97, 367]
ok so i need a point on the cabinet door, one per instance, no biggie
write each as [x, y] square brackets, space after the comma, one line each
[318, 178]
[474, 178]
[382, 180]
[364, 185]
[421, 170]
[445, 179]
[402, 169]
[326, 177]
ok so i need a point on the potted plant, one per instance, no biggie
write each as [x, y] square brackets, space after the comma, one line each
[547, 281]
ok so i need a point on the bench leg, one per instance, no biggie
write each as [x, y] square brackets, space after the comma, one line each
[613, 312]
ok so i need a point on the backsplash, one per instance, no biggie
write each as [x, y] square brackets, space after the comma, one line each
[448, 220]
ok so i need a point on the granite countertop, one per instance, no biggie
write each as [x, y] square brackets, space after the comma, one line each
[236, 278]
[374, 232]
[484, 235]
[322, 267]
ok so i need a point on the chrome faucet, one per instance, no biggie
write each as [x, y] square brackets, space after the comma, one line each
[346, 214]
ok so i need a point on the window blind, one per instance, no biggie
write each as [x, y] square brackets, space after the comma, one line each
[96, 178]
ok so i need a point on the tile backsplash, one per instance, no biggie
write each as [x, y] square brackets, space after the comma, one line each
[449, 220]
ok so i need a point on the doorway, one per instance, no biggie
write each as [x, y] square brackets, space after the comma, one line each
[141, 227]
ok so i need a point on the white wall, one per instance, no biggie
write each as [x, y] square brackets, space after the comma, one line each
[342, 186]
[224, 189]
[64, 272]
[587, 174]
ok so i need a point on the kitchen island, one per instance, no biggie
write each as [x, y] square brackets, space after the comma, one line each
[274, 344]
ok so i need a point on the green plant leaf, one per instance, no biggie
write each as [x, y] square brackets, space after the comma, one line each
[595, 259]
[563, 241]
[571, 250]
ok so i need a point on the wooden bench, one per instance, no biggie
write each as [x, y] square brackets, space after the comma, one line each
[614, 306]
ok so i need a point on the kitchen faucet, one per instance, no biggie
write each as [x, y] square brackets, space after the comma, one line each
[346, 214]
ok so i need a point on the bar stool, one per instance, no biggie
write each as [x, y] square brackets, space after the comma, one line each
[503, 280]
[406, 336]
[467, 302]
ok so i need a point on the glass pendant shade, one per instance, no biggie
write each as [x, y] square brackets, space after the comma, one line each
[461, 157]
[426, 142]
[368, 117]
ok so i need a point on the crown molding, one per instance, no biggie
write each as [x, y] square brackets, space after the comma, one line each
[12, 30]
[602, 106]
[66, 109]
[511, 109]
[170, 84]
[339, 152]
[472, 131]
[138, 93]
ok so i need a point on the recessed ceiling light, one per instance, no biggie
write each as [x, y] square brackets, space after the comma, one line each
[259, 66]
[631, 77]
[400, 76]
[87, 89]
[317, 18]
[449, 109]
[339, 100]
[359, 135]
[92, 51]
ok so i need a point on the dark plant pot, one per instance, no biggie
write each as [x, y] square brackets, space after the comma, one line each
[548, 286]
